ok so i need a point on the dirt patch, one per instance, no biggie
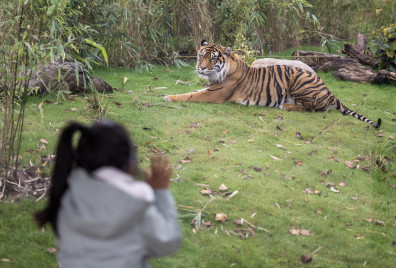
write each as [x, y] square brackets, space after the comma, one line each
[32, 181]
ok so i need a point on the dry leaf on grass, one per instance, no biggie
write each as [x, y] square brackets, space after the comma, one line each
[342, 184]
[280, 146]
[223, 187]
[206, 191]
[52, 250]
[378, 222]
[294, 231]
[298, 162]
[349, 164]
[369, 220]
[306, 258]
[276, 158]
[44, 141]
[333, 189]
[185, 160]
[157, 151]
[358, 236]
[238, 222]
[220, 217]
[307, 191]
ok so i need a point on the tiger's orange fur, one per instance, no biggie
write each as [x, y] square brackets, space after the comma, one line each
[284, 87]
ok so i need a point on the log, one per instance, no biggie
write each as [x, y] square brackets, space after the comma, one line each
[343, 67]
[316, 59]
[362, 58]
[62, 76]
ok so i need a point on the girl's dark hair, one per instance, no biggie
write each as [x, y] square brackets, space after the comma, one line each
[104, 144]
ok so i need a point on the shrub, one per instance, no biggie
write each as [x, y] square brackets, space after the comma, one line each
[385, 47]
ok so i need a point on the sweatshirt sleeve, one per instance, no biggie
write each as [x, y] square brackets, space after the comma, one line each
[162, 232]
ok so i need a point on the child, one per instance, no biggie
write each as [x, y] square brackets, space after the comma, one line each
[102, 216]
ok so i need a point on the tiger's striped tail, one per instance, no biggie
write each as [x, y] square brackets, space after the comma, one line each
[346, 111]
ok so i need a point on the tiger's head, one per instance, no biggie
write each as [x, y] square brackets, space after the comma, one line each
[214, 62]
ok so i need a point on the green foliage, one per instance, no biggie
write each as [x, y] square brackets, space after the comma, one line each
[243, 50]
[385, 47]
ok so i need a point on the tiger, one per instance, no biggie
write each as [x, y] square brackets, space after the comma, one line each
[279, 86]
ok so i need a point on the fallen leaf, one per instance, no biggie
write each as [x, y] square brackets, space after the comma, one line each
[326, 173]
[146, 104]
[342, 184]
[332, 158]
[359, 157]
[190, 151]
[319, 210]
[298, 135]
[279, 128]
[194, 125]
[317, 192]
[5, 260]
[220, 217]
[306, 258]
[238, 222]
[258, 169]
[223, 187]
[251, 140]
[349, 164]
[329, 184]
[156, 151]
[73, 109]
[294, 231]
[280, 146]
[378, 222]
[243, 171]
[185, 160]
[125, 79]
[233, 142]
[354, 198]
[52, 250]
[119, 104]
[369, 220]
[206, 191]
[333, 189]
[358, 236]
[305, 233]
[44, 141]
[391, 137]
[298, 162]
[147, 128]
[276, 158]
[307, 191]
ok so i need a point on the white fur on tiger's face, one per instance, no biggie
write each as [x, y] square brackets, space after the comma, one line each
[211, 63]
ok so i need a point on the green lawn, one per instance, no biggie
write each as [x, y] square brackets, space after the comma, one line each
[279, 162]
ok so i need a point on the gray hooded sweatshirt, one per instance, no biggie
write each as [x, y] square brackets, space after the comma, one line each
[110, 220]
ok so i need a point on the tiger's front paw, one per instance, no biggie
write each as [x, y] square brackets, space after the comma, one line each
[170, 98]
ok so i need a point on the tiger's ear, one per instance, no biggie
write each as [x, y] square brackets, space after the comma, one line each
[228, 51]
[204, 43]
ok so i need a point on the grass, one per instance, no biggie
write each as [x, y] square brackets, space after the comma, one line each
[228, 141]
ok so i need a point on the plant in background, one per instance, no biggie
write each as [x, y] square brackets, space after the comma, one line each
[240, 46]
[385, 47]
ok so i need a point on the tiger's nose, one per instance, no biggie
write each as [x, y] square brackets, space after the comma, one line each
[203, 68]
